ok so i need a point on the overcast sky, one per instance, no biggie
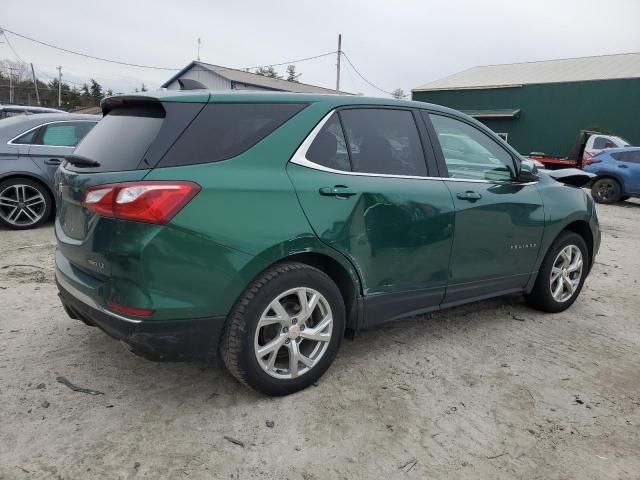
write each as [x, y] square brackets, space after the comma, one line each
[394, 44]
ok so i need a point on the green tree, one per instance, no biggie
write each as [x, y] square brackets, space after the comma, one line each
[292, 76]
[268, 72]
[398, 93]
[95, 92]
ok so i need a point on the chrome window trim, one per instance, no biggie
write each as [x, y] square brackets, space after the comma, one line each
[10, 142]
[300, 158]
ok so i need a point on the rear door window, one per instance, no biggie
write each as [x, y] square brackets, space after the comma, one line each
[384, 141]
[329, 148]
[66, 134]
[223, 131]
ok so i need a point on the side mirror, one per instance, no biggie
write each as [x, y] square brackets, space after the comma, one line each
[526, 177]
[526, 172]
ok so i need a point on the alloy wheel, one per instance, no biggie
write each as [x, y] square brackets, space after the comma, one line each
[22, 205]
[293, 333]
[566, 273]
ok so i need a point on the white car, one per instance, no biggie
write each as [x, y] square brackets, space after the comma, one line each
[596, 143]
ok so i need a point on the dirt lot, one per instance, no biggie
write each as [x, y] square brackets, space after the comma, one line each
[491, 390]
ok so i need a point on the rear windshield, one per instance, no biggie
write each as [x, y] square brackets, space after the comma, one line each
[119, 141]
[223, 131]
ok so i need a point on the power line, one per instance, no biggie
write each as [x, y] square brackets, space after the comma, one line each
[85, 54]
[153, 67]
[362, 76]
[291, 62]
[11, 47]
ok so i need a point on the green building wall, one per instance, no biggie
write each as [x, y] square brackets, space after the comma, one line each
[552, 114]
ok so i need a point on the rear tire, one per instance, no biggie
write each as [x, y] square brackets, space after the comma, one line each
[24, 203]
[561, 274]
[606, 190]
[269, 317]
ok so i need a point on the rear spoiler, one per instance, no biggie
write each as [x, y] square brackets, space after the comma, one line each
[120, 101]
[571, 176]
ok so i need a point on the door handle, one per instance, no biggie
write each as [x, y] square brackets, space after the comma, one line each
[469, 195]
[623, 166]
[53, 161]
[339, 191]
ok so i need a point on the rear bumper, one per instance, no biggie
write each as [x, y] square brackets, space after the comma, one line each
[183, 339]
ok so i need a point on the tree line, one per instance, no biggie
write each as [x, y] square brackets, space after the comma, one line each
[271, 72]
[17, 77]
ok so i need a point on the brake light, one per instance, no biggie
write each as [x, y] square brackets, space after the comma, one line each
[138, 312]
[148, 202]
[589, 161]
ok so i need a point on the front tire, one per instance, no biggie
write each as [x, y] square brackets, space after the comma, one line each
[561, 274]
[24, 203]
[284, 331]
[606, 190]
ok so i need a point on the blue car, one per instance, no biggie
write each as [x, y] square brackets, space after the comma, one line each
[617, 173]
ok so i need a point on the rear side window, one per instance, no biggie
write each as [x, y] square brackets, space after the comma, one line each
[329, 148]
[27, 138]
[383, 141]
[225, 130]
[120, 140]
[631, 157]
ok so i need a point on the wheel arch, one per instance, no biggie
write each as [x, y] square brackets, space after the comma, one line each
[581, 227]
[350, 287]
[606, 174]
[340, 269]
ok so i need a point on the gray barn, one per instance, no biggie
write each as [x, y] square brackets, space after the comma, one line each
[215, 77]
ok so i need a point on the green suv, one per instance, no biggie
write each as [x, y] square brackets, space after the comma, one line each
[265, 226]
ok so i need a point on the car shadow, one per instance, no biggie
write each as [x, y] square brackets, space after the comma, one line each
[631, 203]
[48, 224]
[179, 382]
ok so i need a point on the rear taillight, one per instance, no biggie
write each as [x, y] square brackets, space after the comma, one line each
[148, 202]
[589, 161]
[138, 312]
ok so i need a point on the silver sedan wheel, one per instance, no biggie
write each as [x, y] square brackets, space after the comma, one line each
[293, 333]
[566, 273]
[22, 205]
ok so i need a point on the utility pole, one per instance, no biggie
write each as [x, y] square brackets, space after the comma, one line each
[59, 86]
[10, 85]
[198, 48]
[35, 83]
[338, 64]
[11, 96]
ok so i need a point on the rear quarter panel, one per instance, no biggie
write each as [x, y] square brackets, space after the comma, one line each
[246, 217]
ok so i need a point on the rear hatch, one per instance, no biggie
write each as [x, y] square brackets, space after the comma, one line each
[127, 143]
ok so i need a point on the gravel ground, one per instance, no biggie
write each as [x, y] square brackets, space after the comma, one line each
[491, 390]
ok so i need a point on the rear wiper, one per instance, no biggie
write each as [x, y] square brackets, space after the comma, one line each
[80, 161]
